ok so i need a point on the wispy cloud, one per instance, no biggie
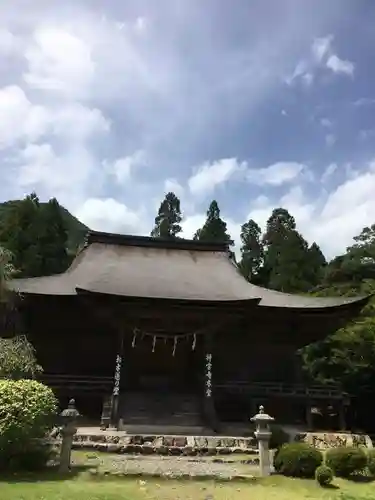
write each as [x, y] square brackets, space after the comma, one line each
[276, 174]
[321, 57]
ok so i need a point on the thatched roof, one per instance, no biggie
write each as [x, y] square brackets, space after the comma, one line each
[143, 267]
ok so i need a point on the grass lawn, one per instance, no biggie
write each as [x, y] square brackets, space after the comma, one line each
[82, 487]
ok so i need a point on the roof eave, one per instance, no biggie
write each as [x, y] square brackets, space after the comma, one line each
[357, 302]
[227, 303]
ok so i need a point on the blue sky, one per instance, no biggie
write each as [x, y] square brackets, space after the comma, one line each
[109, 104]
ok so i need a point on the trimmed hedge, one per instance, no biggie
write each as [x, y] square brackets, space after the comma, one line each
[297, 460]
[27, 413]
[345, 461]
[278, 437]
[324, 475]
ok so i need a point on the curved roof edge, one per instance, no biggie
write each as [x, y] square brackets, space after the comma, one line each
[329, 303]
[154, 268]
[180, 301]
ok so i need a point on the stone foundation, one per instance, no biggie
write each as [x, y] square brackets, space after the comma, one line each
[325, 440]
[164, 445]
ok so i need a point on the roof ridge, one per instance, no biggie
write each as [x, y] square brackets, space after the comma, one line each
[149, 241]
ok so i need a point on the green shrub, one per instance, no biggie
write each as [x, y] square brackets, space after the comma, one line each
[297, 460]
[278, 437]
[27, 413]
[371, 462]
[345, 461]
[324, 475]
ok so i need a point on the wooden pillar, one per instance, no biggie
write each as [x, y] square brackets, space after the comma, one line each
[208, 398]
[105, 419]
[309, 416]
[341, 415]
[254, 406]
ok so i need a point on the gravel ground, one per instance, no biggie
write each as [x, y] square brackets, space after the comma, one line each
[168, 465]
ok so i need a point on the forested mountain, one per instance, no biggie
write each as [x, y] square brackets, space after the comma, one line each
[76, 229]
[42, 237]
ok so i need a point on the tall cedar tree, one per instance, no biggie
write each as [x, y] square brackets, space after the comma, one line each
[167, 222]
[214, 229]
[317, 267]
[251, 252]
[35, 235]
[279, 225]
[53, 239]
[289, 264]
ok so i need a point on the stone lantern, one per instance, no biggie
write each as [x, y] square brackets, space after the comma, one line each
[69, 418]
[263, 436]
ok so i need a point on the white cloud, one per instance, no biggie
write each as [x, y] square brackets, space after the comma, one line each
[122, 168]
[192, 223]
[366, 134]
[159, 85]
[364, 101]
[276, 174]
[23, 121]
[338, 65]
[330, 139]
[329, 171]
[109, 215]
[8, 43]
[321, 47]
[210, 175]
[20, 119]
[326, 122]
[77, 122]
[331, 219]
[64, 175]
[322, 56]
[141, 24]
[60, 61]
[172, 185]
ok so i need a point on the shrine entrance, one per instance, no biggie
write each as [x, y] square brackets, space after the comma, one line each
[167, 364]
[161, 383]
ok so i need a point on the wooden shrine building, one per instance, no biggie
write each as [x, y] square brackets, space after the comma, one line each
[144, 331]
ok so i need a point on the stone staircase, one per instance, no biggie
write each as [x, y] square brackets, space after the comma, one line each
[153, 409]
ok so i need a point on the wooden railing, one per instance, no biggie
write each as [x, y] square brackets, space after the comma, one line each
[79, 383]
[281, 389]
[103, 385]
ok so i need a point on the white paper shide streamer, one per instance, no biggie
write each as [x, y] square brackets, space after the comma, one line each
[165, 338]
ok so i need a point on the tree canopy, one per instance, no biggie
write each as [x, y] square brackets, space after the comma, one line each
[17, 358]
[214, 229]
[7, 271]
[348, 356]
[290, 265]
[36, 235]
[252, 251]
[167, 222]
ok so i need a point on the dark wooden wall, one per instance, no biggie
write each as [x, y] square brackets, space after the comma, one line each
[68, 338]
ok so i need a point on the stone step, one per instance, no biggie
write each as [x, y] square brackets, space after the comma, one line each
[160, 409]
